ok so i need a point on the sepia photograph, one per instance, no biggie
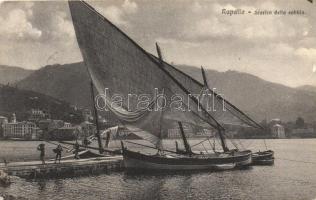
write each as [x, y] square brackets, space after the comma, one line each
[158, 100]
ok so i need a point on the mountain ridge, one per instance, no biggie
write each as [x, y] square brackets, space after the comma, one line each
[259, 98]
[11, 74]
[21, 102]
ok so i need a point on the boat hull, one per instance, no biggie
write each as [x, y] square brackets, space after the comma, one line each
[264, 162]
[263, 158]
[134, 161]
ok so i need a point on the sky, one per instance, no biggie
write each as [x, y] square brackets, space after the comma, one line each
[276, 48]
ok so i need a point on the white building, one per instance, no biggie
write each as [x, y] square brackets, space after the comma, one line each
[3, 120]
[21, 130]
[37, 115]
[67, 125]
[278, 131]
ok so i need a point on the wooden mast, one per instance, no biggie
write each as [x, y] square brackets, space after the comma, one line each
[107, 139]
[160, 147]
[220, 129]
[101, 150]
[185, 141]
[204, 78]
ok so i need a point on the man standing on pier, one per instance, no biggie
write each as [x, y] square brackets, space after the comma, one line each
[76, 150]
[41, 148]
[58, 151]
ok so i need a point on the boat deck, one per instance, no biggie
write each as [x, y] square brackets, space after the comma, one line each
[72, 167]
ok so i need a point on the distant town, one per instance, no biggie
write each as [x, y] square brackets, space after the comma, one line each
[38, 125]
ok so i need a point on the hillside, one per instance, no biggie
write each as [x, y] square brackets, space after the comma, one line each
[13, 100]
[309, 88]
[68, 82]
[259, 98]
[12, 75]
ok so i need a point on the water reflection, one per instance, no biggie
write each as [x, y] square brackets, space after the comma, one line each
[284, 180]
[58, 185]
[41, 184]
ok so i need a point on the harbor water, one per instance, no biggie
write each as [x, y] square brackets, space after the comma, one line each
[292, 177]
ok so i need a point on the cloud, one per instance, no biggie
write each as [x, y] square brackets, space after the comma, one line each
[114, 13]
[196, 7]
[282, 48]
[174, 42]
[17, 26]
[118, 14]
[61, 27]
[309, 53]
[129, 6]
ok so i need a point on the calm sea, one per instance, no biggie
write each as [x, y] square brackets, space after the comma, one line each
[292, 177]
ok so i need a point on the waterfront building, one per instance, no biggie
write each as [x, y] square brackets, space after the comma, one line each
[50, 124]
[275, 121]
[303, 132]
[37, 114]
[21, 130]
[278, 131]
[67, 125]
[3, 120]
[63, 133]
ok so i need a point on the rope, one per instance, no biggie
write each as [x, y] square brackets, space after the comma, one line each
[265, 144]
[212, 146]
[204, 148]
[200, 142]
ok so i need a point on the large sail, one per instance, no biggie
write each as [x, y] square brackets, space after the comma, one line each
[117, 63]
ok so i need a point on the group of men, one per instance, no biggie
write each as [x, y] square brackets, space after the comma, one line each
[58, 150]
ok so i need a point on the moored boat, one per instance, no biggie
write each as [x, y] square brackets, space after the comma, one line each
[225, 161]
[263, 158]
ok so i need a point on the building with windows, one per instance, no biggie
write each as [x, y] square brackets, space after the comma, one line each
[3, 120]
[63, 133]
[50, 124]
[278, 131]
[67, 125]
[37, 115]
[21, 130]
[303, 132]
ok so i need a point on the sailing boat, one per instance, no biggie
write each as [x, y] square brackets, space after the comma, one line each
[117, 63]
[230, 115]
[187, 160]
[260, 157]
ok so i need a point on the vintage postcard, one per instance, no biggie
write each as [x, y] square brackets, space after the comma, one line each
[158, 99]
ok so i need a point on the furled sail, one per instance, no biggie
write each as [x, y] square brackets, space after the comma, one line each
[117, 63]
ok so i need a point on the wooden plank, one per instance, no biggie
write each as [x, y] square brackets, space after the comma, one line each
[33, 169]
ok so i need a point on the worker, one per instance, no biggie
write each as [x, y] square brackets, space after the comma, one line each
[41, 148]
[76, 150]
[58, 151]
